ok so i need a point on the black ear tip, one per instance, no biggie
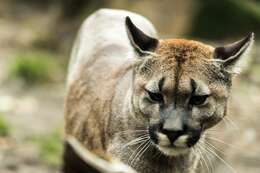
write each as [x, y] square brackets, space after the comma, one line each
[140, 40]
[250, 36]
[247, 39]
[224, 52]
[128, 21]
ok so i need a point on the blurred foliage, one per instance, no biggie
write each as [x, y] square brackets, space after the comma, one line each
[69, 8]
[46, 41]
[225, 18]
[4, 127]
[34, 67]
[38, 3]
[74, 8]
[50, 147]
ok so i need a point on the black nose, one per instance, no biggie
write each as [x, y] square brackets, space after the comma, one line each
[194, 138]
[173, 128]
[172, 135]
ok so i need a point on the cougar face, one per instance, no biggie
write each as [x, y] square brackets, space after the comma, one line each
[181, 87]
[181, 93]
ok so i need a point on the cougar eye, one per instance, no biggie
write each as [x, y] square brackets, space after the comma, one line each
[157, 97]
[198, 100]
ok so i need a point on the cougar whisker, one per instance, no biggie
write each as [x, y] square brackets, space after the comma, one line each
[202, 157]
[220, 158]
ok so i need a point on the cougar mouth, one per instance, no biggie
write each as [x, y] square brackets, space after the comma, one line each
[168, 148]
[173, 151]
[173, 145]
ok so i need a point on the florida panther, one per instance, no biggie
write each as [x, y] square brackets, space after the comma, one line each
[145, 100]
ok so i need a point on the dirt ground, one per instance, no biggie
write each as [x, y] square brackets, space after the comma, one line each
[30, 113]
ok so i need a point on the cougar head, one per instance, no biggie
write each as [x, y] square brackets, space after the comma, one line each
[181, 87]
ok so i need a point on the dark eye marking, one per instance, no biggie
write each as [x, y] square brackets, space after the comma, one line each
[155, 96]
[193, 85]
[195, 98]
[161, 82]
[198, 100]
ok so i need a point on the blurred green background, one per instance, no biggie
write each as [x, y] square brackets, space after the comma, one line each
[36, 37]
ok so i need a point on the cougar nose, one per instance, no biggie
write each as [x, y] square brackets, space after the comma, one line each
[172, 134]
[173, 127]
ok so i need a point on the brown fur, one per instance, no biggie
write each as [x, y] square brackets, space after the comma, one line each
[82, 100]
[109, 96]
[88, 106]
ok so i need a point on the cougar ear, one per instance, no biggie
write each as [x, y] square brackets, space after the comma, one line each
[234, 56]
[140, 41]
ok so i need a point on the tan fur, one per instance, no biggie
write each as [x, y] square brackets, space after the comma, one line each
[88, 107]
[193, 56]
[108, 100]
[190, 48]
[83, 100]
